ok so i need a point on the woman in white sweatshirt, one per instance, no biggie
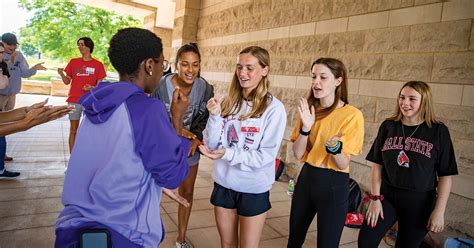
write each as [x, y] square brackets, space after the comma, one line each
[243, 136]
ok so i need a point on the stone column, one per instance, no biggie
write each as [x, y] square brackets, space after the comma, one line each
[165, 35]
[185, 24]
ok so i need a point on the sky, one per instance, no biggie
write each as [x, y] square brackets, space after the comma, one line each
[12, 17]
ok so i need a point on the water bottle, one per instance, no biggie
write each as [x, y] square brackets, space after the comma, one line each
[291, 187]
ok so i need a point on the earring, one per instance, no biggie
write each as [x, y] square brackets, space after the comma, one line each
[150, 72]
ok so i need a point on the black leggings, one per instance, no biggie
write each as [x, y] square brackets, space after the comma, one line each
[411, 209]
[321, 191]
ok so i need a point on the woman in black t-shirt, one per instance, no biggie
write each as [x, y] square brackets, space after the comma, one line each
[413, 160]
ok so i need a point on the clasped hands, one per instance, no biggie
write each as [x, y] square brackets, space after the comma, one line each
[214, 108]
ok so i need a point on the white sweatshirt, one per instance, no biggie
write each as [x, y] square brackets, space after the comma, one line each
[248, 164]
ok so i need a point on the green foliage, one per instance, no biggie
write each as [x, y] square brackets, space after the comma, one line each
[56, 26]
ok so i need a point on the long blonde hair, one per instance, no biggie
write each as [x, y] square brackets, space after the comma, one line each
[426, 112]
[260, 96]
[338, 69]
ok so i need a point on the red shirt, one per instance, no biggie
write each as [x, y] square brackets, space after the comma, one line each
[82, 73]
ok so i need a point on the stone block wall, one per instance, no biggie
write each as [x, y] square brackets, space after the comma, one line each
[382, 43]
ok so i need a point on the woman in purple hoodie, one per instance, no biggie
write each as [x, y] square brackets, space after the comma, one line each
[121, 161]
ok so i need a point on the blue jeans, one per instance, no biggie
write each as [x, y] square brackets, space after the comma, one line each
[3, 151]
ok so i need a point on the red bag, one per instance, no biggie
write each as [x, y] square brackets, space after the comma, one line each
[354, 220]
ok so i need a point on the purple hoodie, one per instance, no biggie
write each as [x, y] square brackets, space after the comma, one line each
[125, 151]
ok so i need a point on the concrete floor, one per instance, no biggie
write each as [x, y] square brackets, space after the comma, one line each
[30, 204]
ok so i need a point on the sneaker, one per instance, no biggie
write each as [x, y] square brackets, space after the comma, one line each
[183, 244]
[391, 238]
[9, 174]
[8, 158]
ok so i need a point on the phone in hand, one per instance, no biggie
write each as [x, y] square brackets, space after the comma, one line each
[95, 238]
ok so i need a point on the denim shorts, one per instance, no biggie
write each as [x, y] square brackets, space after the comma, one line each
[77, 112]
[247, 204]
[194, 160]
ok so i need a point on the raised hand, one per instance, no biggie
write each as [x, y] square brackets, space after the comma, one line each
[214, 155]
[39, 66]
[37, 105]
[43, 114]
[214, 106]
[308, 117]
[87, 87]
[180, 103]
[173, 194]
[193, 146]
[13, 57]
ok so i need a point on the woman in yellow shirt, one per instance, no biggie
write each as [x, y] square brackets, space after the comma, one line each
[327, 133]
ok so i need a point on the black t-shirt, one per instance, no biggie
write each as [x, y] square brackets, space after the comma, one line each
[416, 163]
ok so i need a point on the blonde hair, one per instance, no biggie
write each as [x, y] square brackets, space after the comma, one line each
[338, 69]
[426, 112]
[260, 96]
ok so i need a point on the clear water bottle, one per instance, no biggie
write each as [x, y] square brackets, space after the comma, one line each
[291, 187]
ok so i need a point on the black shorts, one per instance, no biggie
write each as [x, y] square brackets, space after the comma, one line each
[247, 204]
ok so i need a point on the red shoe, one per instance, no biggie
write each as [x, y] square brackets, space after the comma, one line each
[354, 220]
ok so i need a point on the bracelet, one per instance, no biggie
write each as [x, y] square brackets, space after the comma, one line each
[334, 149]
[373, 197]
[304, 133]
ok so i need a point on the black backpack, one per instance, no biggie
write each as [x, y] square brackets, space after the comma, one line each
[355, 196]
[279, 166]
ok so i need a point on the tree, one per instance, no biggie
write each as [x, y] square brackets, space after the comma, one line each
[56, 26]
[28, 43]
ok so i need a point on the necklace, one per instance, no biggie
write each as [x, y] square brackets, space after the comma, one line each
[402, 158]
[403, 131]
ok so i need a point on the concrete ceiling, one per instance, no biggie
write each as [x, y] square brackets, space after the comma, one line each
[164, 9]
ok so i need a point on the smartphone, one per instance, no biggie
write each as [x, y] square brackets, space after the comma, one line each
[95, 238]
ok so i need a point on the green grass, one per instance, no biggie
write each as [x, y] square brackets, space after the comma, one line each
[41, 77]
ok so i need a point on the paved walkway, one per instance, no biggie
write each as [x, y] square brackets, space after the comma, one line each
[30, 205]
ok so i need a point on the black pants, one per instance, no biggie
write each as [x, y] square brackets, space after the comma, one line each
[321, 191]
[411, 209]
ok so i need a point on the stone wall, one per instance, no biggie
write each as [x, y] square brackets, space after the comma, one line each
[383, 43]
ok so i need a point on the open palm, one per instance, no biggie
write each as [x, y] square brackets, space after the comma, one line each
[308, 116]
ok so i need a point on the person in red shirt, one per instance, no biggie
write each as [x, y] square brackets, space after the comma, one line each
[83, 74]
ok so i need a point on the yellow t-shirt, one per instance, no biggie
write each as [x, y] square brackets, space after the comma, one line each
[347, 120]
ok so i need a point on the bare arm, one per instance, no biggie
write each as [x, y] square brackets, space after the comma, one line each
[13, 127]
[375, 208]
[19, 113]
[178, 107]
[436, 222]
[34, 117]
[299, 147]
[342, 160]
[308, 117]
[66, 79]
[13, 115]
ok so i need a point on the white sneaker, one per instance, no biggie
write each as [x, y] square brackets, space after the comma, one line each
[183, 244]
